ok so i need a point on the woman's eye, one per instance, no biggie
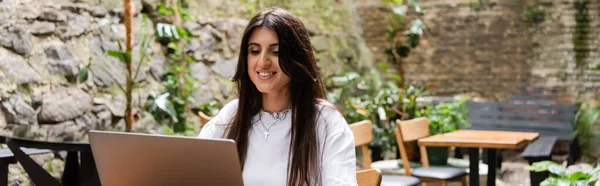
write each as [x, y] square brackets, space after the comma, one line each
[254, 52]
[276, 53]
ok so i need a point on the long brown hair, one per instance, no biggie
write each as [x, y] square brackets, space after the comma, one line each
[306, 89]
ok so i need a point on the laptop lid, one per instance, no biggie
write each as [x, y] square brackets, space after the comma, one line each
[144, 159]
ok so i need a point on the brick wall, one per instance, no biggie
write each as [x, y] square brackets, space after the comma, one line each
[491, 50]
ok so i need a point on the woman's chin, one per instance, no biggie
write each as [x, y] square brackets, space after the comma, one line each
[264, 90]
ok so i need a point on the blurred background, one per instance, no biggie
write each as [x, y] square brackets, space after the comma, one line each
[65, 67]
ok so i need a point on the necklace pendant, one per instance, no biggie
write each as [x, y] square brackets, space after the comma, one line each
[266, 135]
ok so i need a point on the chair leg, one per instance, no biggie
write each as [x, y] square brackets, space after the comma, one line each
[444, 183]
[463, 181]
[573, 151]
[537, 177]
[4, 172]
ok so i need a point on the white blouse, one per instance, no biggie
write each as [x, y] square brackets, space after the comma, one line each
[267, 159]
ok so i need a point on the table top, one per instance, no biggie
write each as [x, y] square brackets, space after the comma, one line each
[480, 139]
[52, 145]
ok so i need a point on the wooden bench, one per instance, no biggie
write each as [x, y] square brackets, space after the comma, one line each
[552, 121]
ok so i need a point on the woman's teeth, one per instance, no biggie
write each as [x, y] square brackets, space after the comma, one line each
[266, 74]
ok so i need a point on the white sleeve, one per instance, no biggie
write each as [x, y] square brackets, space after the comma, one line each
[208, 131]
[215, 128]
[339, 157]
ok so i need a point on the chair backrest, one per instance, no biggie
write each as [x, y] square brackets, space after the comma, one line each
[410, 130]
[369, 177]
[203, 119]
[413, 129]
[363, 135]
[523, 116]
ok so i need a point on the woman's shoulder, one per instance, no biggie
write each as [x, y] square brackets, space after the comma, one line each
[227, 112]
[326, 109]
[330, 117]
[231, 105]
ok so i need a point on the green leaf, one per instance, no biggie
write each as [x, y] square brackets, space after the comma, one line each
[117, 54]
[162, 102]
[579, 176]
[120, 45]
[393, 1]
[345, 78]
[403, 50]
[557, 170]
[82, 76]
[144, 45]
[399, 10]
[173, 46]
[416, 7]
[164, 9]
[190, 59]
[417, 27]
[167, 30]
[596, 171]
[122, 56]
[396, 77]
[413, 40]
[383, 66]
[182, 33]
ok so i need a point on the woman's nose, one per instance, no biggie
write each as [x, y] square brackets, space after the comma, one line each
[264, 61]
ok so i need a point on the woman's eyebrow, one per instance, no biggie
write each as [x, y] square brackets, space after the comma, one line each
[258, 45]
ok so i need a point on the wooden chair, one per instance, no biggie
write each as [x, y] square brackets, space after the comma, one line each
[363, 135]
[415, 129]
[203, 119]
[368, 177]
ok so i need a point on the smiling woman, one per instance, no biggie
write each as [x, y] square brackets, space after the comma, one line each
[263, 66]
[285, 130]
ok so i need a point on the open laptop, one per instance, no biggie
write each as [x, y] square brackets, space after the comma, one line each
[144, 159]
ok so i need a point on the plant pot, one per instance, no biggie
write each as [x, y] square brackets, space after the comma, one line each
[376, 153]
[412, 151]
[437, 155]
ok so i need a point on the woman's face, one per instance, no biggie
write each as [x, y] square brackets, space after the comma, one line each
[263, 62]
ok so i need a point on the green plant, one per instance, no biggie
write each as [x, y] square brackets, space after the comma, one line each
[177, 79]
[83, 73]
[403, 38]
[410, 107]
[211, 108]
[561, 176]
[375, 97]
[581, 35]
[341, 87]
[535, 15]
[587, 122]
[125, 57]
[447, 117]
[367, 97]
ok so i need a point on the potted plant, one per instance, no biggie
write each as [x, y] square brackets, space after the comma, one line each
[443, 118]
[574, 175]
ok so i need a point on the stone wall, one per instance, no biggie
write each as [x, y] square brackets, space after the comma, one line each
[46, 42]
[492, 50]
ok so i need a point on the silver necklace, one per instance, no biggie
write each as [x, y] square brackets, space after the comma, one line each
[278, 117]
